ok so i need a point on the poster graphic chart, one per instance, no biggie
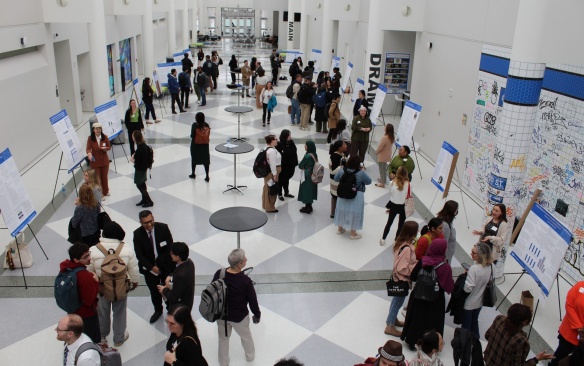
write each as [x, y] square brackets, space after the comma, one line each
[359, 85]
[444, 169]
[315, 56]
[407, 123]
[108, 115]
[15, 204]
[377, 103]
[541, 246]
[164, 69]
[347, 75]
[71, 147]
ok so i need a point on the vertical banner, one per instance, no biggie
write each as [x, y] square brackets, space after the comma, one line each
[359, 85]
[290, 34]
[315, 56]
[156, 80]
[110, 70]
[407, 123]
[373, 72]
[335, 62]
[138, 92]
[444, 169]
[376, 108]
[347, 76]
[108, 115]
[15, 204]
[73, 152]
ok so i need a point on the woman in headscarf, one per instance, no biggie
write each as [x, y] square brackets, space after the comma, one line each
[308, 189]
[423, 315]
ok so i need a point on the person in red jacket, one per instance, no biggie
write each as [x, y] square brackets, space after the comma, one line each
[571, 324]
[87, 288]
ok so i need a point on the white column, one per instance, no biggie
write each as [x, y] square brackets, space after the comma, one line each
[290, 25]
[203, 17]
[304, 28]
[373, 68]
[194, 17]
[185, 25]
[327, 35]
[97, 52]
[148, 39]
[171, 28]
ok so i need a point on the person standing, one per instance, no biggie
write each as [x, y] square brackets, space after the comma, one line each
[173, 89]
[478, 275]
[208, 70]
[336, 81]
[308, 190]
[113, 237]
[98, 144]
[447, 215]
[184, 81]
[187, 64]
[572, 324]
[265, 97]
[184, 346]
[179, 286]
[141, 160]
[246, 74]
[87, 289]
[428, 234]
[217, 61]
[287, 148]
[133, 122]
[241, 294]
[360, 102]
[152, 242]
[402, 158]
[274, 64]
[361, 128]
[294, 70]
[383, 152]
[200, 134]
[396, 205]
[307, 91]
[233, 65]
[70, 331]
[148, 98]
[295, 113]
[333, 114]
[336, 163]
[85, 215]
[252, 66]
[200, 57]
[261, 82]
[90, 178]
[275, 162]
[494, 231]
[203, 83]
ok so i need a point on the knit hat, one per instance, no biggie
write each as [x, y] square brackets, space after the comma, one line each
[113, 230]
[392, 351]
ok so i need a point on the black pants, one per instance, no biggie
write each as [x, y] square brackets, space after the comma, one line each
[214, 82]
[174, 98]
[152, 281]
[184, 97]
[286, 173]
[563, 350]
[150, 110]
[92, 239]
[331, 132]
[265, 105]
[144, 191]
[194, 166]
[275, 76]
[359, 148]
[233, 78]
[91, 328]
[393, 211]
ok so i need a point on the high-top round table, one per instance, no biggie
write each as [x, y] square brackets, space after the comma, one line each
[241, 148]
[238, 219]
[239, 110]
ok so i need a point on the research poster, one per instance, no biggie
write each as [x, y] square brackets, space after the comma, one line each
[335, 62]
[73, 151]
[443, 167]
[291, 55]
[541, 246]
[315, 56]
[377, 103]
[108, 115]
[347, 75]
[359, 85]
[15, 204]
[180, 55]
[138, 92]
[407, 124]
[164, 69]
[156, 80]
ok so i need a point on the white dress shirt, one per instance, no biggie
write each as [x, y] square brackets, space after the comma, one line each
[88, 358]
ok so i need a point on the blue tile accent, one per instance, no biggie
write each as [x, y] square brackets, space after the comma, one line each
[563, 82]
[494, 65]
[523, 91]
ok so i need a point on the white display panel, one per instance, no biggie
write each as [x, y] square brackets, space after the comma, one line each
[73, 151]
[407, 123]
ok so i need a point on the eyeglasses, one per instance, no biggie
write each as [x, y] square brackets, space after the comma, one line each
[61, 330]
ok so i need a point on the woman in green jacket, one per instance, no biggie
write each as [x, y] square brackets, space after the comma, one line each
[308, 190]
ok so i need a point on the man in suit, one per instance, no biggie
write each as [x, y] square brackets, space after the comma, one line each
[152, 243]
[179, 287]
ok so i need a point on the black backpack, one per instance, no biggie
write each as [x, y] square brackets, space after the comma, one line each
[183, 79]
[261, 168]
[427, 287]
[290, 91]
[347, 188]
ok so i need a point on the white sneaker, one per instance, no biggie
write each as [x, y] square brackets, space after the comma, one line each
[157, 120]
[382, 242]
[126, 336]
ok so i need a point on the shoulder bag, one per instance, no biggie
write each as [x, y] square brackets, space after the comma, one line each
[410, 207]
[397, 288]
[490, 294]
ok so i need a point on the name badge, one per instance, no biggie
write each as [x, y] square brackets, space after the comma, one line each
[358, 122]
[494, 228]
[162, 243]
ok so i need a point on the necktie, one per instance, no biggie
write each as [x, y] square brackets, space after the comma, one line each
[65, 354]
[153, 244]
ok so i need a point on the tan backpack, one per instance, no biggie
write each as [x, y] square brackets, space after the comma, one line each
[114, 283]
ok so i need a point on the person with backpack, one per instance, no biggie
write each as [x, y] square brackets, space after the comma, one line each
[109, 253]
[70, 331]
[398, 192]
[427, 349]
[447, 215]
[320, 116]
[292, 94]
[183, 346]
[404, 261]
[203, 83]
[179, 286]
[274, 159]
[184, 81]
[200, 138]
[86, 287]
[308, 191]
[433, 277]
[431, 231]
[287, 148]
[240, 294]
[337, 162]
[350, 212]
[142, 159]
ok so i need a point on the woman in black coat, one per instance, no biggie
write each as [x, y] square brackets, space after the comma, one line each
[233, 68]
[148, 98]
[141, 160]
[133, 122]
[200, 145]
[287, 148]
[184, 346]
[360, 102]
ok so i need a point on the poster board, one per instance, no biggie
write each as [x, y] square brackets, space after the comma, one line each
[347, 75]
[359, 85]
[444, 169]
[71, 147]
[397, 70]
[541, 246]
[157, 86]
[377, 103]
[137, 91]
[335, 62]
[315, 56]
[109, 116]
[164, 69]
[178, 56]
[292, 55]
[15, 204]
[407, 123]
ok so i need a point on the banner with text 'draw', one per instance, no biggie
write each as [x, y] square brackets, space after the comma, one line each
[73, 151]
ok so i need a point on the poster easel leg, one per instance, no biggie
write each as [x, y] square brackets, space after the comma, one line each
[57, 179]
[37, 240]
[559, 302]
[511, 289]
[435, 194]
[20, 258]
[416, 155]
[531, 325]
[114, 159]
[350, 84]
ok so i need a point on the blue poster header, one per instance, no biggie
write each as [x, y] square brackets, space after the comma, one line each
[412, 105]
[57, 117]
[105, 106]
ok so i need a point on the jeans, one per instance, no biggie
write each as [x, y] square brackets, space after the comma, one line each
[295, 114]
[150, 110]
[471, 321]
[203, 98]
[396, 304]
[175, 99]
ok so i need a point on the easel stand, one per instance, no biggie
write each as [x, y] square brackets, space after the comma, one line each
[18, 250]
[461, 197]
[350, 84]
[416, 155]
[57, 179]
[114, 153]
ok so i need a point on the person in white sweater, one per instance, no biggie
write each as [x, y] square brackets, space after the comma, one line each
[477, 277]
[398, 192]
[112, 236]
[275, 161]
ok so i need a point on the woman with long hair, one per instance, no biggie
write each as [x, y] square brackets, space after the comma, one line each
[431, 231]
[494, 231]
[200, 154]
[404, 261]
[261, 82]
[287, 148]
[265, 96]
[383, 152]
[427, 349]
[333, 113]
[85, 215]
[141, 160]
[477, 277]
[308, 191]
[148, 98]
[360, 102]
[336, 163]
[98, 144]
[341, 133]
[184, 346]
[92, 180]
[447, 215]
[252, 66]
[133, 121]
[396, 205]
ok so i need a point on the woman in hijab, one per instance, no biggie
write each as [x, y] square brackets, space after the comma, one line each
[308, 189]
[423, 315]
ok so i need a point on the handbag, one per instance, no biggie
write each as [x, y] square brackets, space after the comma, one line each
[410, 207]
[490, 295]
[274, 189]
[102, 218]
[399, 287]
[14, 255]
[74, 233]
[289, 109]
